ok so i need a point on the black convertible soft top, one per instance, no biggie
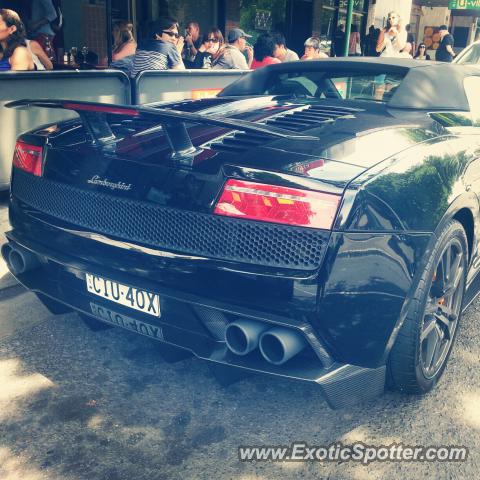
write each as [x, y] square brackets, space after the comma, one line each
[427, 85]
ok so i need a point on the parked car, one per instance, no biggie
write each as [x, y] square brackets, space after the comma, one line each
[469, 55]
[316, 220]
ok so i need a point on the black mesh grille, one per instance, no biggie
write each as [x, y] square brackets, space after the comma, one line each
[175, 230]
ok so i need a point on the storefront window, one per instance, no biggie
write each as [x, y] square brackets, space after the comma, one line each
[326, 16]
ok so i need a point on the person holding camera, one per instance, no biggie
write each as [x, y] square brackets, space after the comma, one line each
[392, 38]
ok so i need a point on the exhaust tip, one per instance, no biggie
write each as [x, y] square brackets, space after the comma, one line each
[236, 339]
[18, 259]
[278, 345]
[242, 336]
[16, 262]
[272, 349]
[5, 251]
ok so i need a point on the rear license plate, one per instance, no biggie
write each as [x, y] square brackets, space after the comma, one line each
[131, 297]
[123, 321]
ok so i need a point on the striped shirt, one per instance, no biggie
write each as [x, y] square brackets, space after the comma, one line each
[155, 55]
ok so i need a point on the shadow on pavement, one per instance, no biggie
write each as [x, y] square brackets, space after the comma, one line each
[78, 404]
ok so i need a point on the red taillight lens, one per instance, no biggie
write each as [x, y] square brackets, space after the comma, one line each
[28, 158]
[272, 203]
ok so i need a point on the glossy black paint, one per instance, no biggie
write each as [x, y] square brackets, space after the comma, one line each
[402, 174]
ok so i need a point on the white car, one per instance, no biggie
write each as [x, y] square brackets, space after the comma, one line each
[470, 54]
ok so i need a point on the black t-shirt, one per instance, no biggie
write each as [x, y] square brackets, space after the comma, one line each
[339, 43]
[442, 54]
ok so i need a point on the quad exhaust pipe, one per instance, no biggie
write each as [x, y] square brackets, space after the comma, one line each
[242, 336]
[18, 259]
[277, 345]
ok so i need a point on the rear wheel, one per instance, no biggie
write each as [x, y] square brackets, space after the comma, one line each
[424, 343]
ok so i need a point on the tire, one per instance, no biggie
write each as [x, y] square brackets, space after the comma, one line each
[422, 348]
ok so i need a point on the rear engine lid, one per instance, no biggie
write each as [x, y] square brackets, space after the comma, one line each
[215, 208]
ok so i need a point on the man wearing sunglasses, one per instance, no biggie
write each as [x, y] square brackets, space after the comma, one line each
[160, 49]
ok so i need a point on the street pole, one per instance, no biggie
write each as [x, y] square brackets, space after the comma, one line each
[108, 7]
[348, 27]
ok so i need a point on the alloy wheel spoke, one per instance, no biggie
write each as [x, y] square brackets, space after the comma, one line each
[457, 276]
[438, 350]
[434, 339]
[427, 330]
[444, 324]
[446, 266]
[454, 277]
[431, 307]
[446, 312]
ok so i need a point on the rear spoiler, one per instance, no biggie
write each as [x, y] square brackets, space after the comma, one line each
[94, 117]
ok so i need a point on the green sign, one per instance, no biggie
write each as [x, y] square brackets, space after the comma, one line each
[464, 4]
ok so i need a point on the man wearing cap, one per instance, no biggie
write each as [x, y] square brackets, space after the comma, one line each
[445, 51]
[232, 56]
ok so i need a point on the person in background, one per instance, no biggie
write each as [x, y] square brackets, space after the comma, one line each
[281, 51]
[338, 43]
[124, 45]
[160, 49]
[370, 46]
[406, 51]
[354, 48]
[232, 56]
[312, 49]
[392, 38]
[43, 13]
[192, 43]
[263, 51]
[445, 51]
[210, 50]
[40, 58]
[422, 53]
[410, 37]
[14, 54]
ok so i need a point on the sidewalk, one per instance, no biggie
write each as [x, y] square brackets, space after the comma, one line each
[6, 280]
[19, 309]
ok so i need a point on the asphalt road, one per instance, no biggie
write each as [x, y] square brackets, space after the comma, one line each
[77, 404]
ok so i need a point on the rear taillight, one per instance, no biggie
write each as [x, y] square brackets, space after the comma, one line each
[272, 203]
[28, 158]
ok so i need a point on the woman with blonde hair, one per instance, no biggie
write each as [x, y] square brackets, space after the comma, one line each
[392, 38]
[124, 44]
